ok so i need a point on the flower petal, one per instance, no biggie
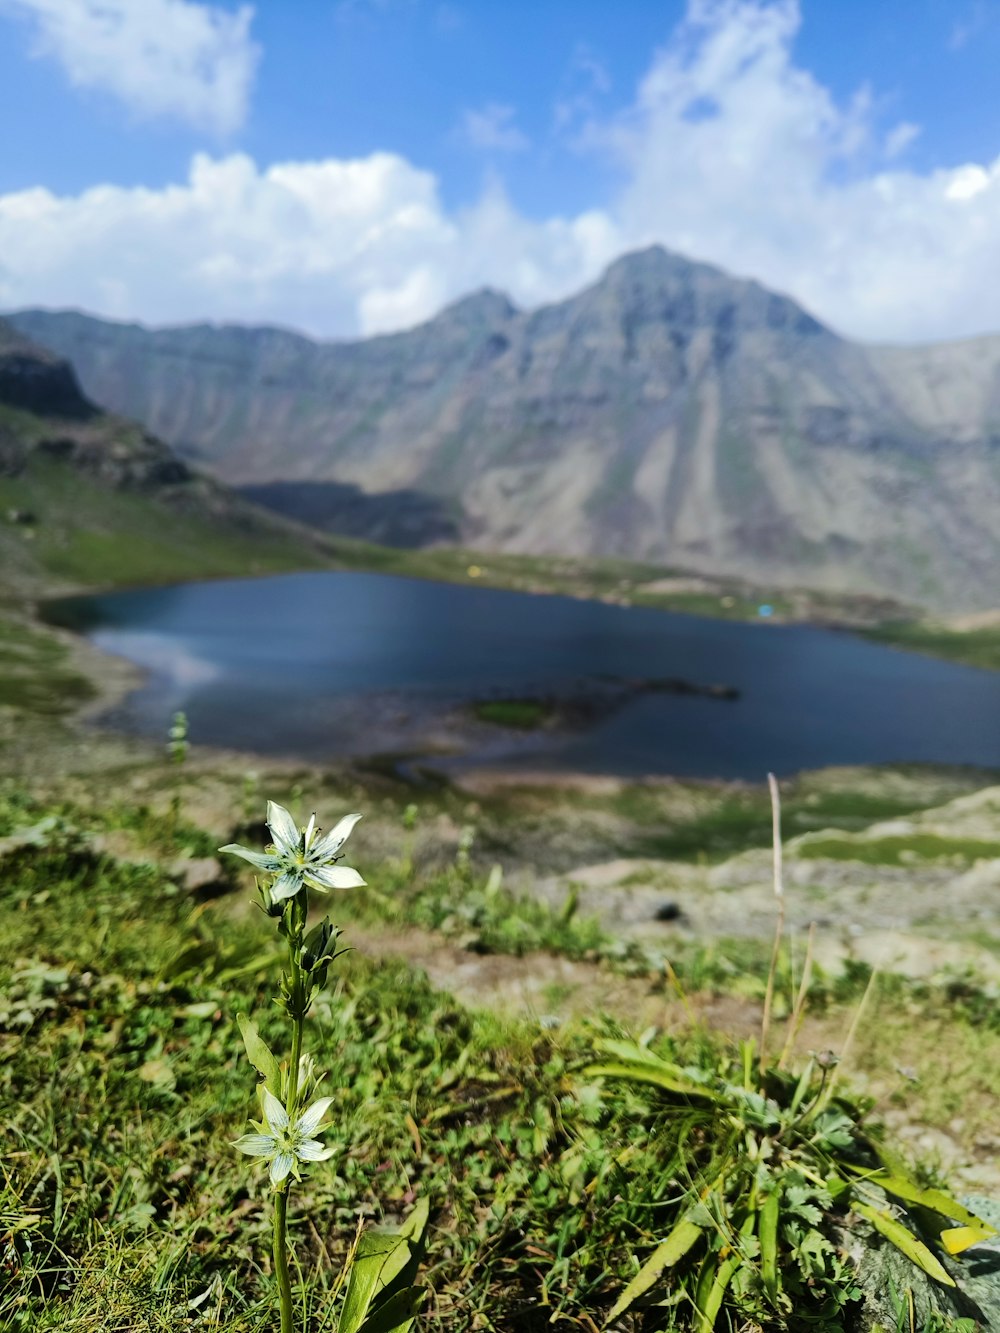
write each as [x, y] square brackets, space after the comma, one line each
[311, 1150]
[284, 829]
[308, 1121]
[259, 859]
[286, 885]
[281, 1164]
[310, 832]
[333, 877]
[331, 844]
[255, 1145]
[277, 1116]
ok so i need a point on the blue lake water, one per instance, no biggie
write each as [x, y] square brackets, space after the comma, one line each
[330, 664]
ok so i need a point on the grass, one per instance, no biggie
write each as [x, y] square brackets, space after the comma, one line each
[902, 850]
[85, 533]
[34, 674]
[122, 1084]
[975, 647]
[735, 820]
[521, 714]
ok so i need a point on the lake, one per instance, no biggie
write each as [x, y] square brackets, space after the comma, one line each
[325, 665]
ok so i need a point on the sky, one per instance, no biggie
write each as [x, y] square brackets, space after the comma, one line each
[347, 167]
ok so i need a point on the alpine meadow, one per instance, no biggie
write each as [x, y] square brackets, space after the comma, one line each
[499, 667]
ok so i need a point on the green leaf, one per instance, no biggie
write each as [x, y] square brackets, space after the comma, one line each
[767, 1232]
[802, 1087]
[710, 1302]
[958, 1239]
[669, 1252]
[188, 960]
[906, 1242]
[632, 1052]
[384, 1266]
[627, 1051]
[413, 1227]
[660, 1074]
[259, 1055]
[937, 1200]
[380, 1257]
[395, 1314]
[261, 962]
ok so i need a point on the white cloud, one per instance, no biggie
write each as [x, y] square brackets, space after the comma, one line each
[585, 81]
[333, 247]
[736, 155]
[492, 128]
[192, 62]
[900, 137]
[729, 152]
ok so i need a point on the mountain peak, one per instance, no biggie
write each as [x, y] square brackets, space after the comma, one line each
[655, 261]
[670, 413]
[688, 292]
[485, 306]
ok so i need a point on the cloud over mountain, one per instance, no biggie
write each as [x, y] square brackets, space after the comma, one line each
[729, 151]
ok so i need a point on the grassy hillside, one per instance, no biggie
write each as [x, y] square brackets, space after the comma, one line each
[90, 499]
[74, 530]
[65, 522]
[126, 954]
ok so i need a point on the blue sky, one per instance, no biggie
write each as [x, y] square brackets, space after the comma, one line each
[347, 166]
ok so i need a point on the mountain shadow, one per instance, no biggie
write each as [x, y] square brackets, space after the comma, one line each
[407, 518]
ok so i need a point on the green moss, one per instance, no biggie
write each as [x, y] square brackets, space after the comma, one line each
[977, 648]
[524, 714]
[900, 850]
[34, 676]
[740, 821]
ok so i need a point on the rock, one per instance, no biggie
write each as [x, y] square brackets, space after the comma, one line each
[668, 912]
[882, 1270]
[200, 875]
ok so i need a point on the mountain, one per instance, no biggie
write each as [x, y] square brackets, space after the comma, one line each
[87, 498]
[669, 413]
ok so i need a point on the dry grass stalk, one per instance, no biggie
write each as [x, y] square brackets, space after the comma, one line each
[779, 929]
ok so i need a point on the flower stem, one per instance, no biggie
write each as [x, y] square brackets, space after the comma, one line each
[298, 1022]
[281, 1261]
[293, 1073]
[297, 921]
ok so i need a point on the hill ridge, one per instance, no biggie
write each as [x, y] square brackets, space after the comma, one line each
[667, 412]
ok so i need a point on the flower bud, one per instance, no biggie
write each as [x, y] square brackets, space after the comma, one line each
[318, 947]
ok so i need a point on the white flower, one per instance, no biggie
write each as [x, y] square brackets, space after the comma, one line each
[286, 1145]
[301, 857]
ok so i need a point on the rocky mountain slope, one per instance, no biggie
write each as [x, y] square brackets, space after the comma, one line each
[87, 498]
[669, 412]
